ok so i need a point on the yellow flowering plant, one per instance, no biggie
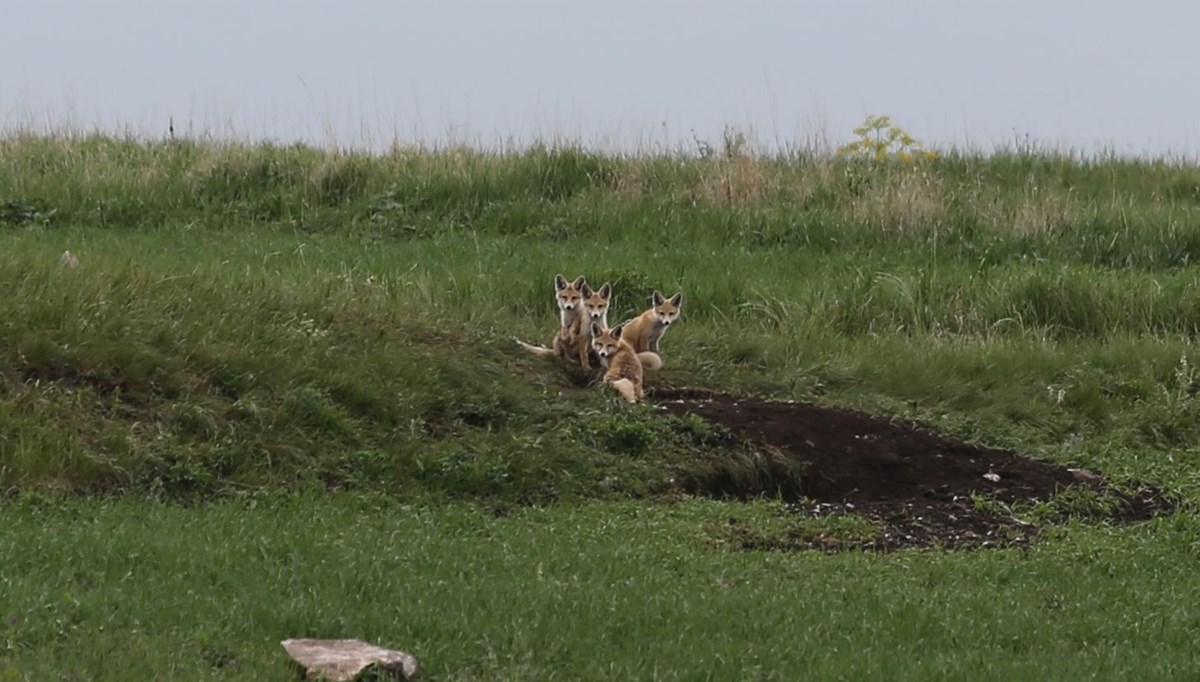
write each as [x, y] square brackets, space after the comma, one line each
[879, 139]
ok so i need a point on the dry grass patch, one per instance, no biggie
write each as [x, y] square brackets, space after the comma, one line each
[902, 202]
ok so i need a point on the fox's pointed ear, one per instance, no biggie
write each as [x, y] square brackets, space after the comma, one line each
[657, 298]
[579, 282]
[597, 330]
[605, 291]
[677, 300]
[586, 290]
[616, 331]
[560, 282]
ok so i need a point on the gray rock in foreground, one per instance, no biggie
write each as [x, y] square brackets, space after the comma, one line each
[342, 660]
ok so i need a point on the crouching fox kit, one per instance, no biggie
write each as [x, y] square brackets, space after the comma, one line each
[646, 330]
[618, 357]
[578, 306]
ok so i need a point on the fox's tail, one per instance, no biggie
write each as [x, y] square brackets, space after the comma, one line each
[626, 388]
[650, 360]
[541, 351]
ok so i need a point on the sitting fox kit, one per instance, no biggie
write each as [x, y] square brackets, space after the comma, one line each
[569, 296]
[571, 342]
[646, 330]
[618, 357]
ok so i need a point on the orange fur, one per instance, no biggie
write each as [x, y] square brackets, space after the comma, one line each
[646, 330]
[624, 370]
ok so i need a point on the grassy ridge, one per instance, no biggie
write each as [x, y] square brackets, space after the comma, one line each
[256, 315]
[986, 210]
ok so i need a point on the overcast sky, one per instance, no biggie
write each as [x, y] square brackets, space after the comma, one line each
[619, 72]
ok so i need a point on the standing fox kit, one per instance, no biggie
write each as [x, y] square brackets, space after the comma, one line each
[577, 342]
[646, 330]
[622, 362]
[569, 296]
[595, 310]
[578, 306]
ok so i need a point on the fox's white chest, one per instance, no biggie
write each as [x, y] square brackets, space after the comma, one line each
[568, 316]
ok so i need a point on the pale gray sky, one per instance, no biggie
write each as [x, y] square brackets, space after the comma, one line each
[953, 72]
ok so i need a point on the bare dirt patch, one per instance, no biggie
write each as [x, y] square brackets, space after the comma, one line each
[919, 486]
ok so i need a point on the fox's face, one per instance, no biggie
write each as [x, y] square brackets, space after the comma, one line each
[569, 294]
[595, 303]
[606, 342]
[666, 310]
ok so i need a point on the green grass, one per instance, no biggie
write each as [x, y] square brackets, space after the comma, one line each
[273, 357]
[194, 361]
[112, 590]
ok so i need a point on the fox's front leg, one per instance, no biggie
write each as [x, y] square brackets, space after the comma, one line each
[584, 361]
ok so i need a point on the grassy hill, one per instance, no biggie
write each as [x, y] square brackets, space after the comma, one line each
[283, 333]
[249, 316]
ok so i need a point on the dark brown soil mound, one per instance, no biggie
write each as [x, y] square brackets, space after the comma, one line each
[917, 484]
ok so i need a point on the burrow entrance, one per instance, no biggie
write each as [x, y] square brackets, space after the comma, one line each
[919, 486]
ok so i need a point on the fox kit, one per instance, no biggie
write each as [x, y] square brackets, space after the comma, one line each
[569, 296]
[595, 309]
[624, 367]
[646, 330]
[595, 303]
[578, 306]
